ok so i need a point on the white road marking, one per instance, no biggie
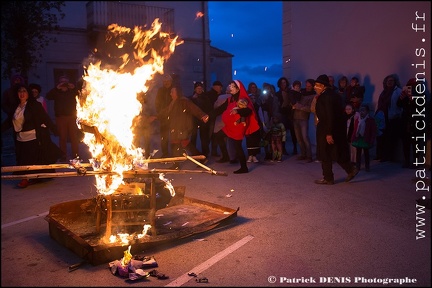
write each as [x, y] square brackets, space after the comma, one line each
[207, 264]
[24, 220]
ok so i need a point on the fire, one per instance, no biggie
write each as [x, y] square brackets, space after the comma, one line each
[199, 14]
[108, 100]
[125, 238]
[167, 184]
[146, 227]
[126, 257]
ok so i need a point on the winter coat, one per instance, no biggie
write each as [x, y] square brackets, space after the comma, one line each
[162, 100]
[35, 117]
[369, 133]
[331, 121]
[181, 113]
[237, 132]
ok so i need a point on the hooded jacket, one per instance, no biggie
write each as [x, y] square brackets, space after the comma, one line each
[237, 132]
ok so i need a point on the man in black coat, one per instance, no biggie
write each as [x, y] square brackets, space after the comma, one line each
[332, 144]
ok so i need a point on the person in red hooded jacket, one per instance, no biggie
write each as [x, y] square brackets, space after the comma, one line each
[231, 113]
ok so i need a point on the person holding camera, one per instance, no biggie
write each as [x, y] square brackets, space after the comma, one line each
[64, 97]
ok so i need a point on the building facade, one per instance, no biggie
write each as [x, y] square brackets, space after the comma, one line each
[85, 26]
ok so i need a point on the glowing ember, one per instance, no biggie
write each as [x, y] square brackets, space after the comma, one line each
[108, 100]
[199, 14]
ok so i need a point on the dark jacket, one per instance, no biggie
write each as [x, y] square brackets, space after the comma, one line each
[162, 101]
[64, 101]
[355, 95]
[350, 128]
[285, 105]
[203, 102]
[163, 98]
[408, 121]
[331, 121]
[36, 118]
[181, 113]
[212, 94]
[34, 115]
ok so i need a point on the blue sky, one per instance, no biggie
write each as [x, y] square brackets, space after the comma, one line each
[253, 36]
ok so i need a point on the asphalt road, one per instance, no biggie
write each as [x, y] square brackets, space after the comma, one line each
[364, 233]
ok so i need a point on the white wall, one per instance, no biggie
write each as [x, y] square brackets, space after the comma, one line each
[366, 39]
[369, 40]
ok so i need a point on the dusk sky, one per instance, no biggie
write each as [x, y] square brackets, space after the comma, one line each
[252, 32]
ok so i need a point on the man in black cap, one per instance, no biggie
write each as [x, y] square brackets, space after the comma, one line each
[332, 144]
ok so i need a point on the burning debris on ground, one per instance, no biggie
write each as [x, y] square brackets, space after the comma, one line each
[132, 267]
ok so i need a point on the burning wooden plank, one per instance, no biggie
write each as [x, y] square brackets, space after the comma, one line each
[126, 174]
[89, 165]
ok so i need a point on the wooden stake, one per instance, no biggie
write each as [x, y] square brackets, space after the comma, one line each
[202, 165]
[126, 174]
[88, 165]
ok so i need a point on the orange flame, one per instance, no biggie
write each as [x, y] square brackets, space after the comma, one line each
[108, 100]
[127, 257]
[199, 14]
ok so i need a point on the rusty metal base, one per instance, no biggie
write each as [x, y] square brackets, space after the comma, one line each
[73, 225]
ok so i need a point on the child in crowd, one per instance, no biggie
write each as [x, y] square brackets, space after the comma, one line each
[363, 137]
[278, 135]
[351, 115]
